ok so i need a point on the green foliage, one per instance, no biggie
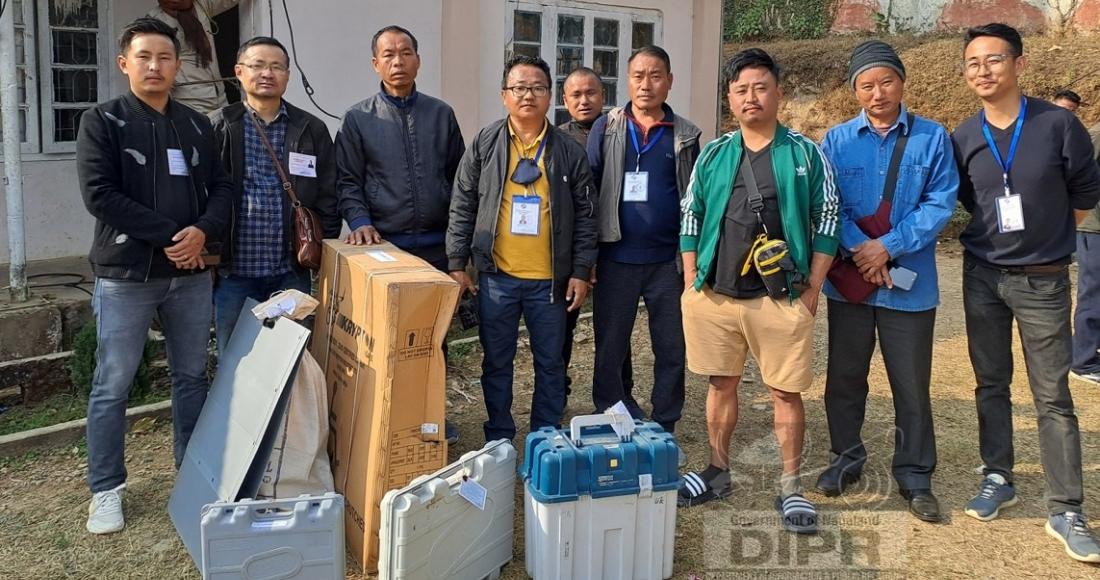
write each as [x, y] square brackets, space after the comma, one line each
[767, 19]
[82, 364]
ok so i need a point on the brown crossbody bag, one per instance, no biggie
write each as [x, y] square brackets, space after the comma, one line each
[306, 225]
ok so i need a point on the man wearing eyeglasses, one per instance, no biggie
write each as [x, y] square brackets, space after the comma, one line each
[257, 253]
[642, 155]
[1027, 177]
[523, 208]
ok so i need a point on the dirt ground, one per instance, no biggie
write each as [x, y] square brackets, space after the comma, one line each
[43, 497]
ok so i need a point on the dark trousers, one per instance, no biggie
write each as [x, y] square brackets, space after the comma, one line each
[501, 301]
[232, 291]
[571, 319]
[1086, 319]
[905, 339]
[614, 310]
[1041, 306]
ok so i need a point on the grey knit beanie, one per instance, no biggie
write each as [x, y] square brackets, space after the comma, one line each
[871, 54]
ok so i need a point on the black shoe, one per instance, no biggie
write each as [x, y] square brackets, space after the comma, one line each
[833, 480]
[923, 505]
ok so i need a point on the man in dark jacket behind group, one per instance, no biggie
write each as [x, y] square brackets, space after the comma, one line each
[149, 175]
[258, 254]
[523, 209]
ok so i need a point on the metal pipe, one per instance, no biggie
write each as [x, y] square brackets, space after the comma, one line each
[13, 163]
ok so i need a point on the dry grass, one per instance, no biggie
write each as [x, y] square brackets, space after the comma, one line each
[43, 498]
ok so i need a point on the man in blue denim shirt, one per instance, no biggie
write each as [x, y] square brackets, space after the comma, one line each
[924, 199]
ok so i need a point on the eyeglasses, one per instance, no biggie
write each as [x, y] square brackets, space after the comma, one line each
[992, 62]
[520, 91]
[274, 67]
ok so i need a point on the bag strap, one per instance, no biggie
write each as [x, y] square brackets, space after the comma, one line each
[756, 201]
[895, 161]
[274, 159]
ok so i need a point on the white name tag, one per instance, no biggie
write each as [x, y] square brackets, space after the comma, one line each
[525, 215]
[177, 165]
[636, 186]
[1010, 213]
[303, 165]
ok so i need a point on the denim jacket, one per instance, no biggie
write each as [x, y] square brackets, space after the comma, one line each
[924, 199]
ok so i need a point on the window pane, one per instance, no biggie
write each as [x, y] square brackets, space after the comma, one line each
[75, 86]
[606, 32]
[17, 5]
[605, 62]
[74, 47]
[20, 48]
[559, 88]
[611, 89]
[65, 124]
[642, 34]
[74, 13]
[527, 49]
[528, 27]
[570, 29]
[569, 59]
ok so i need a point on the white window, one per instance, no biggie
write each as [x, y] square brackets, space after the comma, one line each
[61, 56]
[568, 35]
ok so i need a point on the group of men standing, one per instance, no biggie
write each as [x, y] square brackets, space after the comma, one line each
[730, 245]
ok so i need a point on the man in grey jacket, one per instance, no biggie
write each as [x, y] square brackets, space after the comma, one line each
[523, 211]
[396, 156]
[641, 156]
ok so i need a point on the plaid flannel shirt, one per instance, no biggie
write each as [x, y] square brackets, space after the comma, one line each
[261, 244]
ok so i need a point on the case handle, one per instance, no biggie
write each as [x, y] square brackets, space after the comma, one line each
[624, 422]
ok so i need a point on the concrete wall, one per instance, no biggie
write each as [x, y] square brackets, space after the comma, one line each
[462, 51]
[951, 15]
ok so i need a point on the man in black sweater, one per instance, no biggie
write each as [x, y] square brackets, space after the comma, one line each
[149, 175]
[1027, 177]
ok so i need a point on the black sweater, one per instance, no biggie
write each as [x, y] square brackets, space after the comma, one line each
[1053, 171]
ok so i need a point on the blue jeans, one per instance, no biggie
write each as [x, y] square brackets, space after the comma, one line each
[232, 291]
[501, 301]
[1086, 319]
[124, 310]
[1040, 304]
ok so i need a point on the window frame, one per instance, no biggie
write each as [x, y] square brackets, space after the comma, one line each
[30, 106]
[548, 48]
[45, 48]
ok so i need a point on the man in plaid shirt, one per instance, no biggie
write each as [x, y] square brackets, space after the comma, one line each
[257, 257]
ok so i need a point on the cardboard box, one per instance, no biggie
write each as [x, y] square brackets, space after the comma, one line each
[379, 333]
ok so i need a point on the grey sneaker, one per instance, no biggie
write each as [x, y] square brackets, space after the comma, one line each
[995, 493]
[105, 511]
[1093, 378]
[1072, 529]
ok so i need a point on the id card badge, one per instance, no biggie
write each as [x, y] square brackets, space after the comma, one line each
[636, 186]
[177, 164]
[303, 165]
[1010, 213]
[525, 215]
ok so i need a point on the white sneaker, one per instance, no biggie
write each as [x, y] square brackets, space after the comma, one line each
[105, 511]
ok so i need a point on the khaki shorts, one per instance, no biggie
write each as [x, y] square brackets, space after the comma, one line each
[720, 331]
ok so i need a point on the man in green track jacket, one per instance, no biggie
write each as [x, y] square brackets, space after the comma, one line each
[763, 179]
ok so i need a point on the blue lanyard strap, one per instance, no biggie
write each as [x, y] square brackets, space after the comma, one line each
[649, 145]
[1006, 164]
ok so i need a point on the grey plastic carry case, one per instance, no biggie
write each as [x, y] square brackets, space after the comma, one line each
[429, 531]
[285, 539]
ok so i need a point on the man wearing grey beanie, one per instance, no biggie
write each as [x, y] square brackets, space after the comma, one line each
[897, 180]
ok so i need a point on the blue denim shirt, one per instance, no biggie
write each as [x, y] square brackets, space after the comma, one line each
[924, 199]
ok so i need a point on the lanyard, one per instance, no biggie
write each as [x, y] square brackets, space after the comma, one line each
[648, 146]
[1006, 164]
